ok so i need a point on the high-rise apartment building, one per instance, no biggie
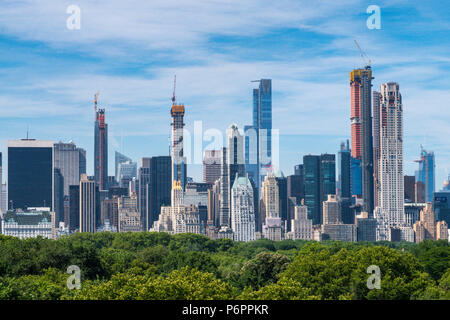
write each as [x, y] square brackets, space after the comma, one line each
[30, 174]
[301, 226]
[331, 210]
[88, 204]
[361, 130]
[390, 210]
[71, 161]
[129, 216]
[272, 228]
[242, 210]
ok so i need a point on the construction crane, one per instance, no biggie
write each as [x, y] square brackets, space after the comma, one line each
[95, 100]
[362, 54]
[174, 88]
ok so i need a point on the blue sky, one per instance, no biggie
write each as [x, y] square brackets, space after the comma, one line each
[130, 50]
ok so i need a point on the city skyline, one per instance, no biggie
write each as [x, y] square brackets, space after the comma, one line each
[53, 97]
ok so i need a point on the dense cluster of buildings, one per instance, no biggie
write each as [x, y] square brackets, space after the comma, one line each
[365, 196]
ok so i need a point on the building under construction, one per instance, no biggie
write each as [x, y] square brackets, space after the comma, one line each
[361, 130]
[178, 159]
[100, 148]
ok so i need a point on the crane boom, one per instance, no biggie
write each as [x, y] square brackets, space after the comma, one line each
[95, 100]
[174, 88]
[362, 54]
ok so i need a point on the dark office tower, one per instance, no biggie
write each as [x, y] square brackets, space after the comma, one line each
[361, 125]
[100, 148]
[211, 166]
[143, 182]
[376, 144]
[311, 166]
[74, 208]
[355, 177]
[88, 204]
[409, 182]
[327, 175]
[282, 196]
[344, 183]
[58, 196]
[159, 188]
[296, 187]
[71, 161]
[118, 159]
[441, 206]
[298, 170]
[30, 173]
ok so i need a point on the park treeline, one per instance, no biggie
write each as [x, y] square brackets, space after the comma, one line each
[152, 265]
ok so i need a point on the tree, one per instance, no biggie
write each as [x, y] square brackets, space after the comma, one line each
[263, 269]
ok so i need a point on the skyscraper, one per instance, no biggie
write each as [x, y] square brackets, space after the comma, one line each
[331, 210]
[71, 161]
[211, 166]
[30, 173]
[58, 196]
[126, 172]
[361, 130]
[178, 159]
[118, 159]
[311, 165]
[344, 183]
[242, 210]
[327, 175]
[100, 148]
[301, 226]
[262, 131]
[426, 173]
[390, 210]
[235, 154]
[74, 208]
[88, 204]
[154, 187]
[272, 228]
[224, 214]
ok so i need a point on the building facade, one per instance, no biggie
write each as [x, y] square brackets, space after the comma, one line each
[242, 210]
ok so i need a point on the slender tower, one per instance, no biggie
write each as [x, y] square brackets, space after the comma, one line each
[178, 159]
[100, 147]
[361, 126]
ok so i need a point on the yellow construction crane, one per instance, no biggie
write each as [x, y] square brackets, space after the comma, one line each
[362, 54]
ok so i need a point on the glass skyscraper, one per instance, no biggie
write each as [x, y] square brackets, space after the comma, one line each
[258, 140]
[426, 173]
[30, 173]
